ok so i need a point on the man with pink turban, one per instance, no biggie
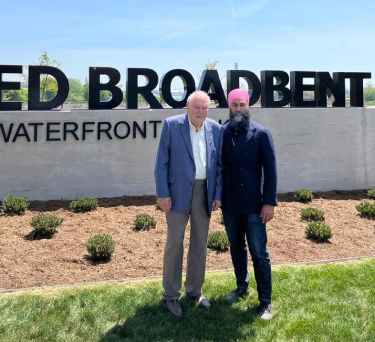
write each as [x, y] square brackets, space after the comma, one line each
[249, 198]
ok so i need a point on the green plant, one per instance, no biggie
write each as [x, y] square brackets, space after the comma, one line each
[304, 195]
[84, 204]
[45, 224]
[100, 246]
[366, 209]
[371, 193]
[318, 231]
[218, 240]
[144, 221]
[15, 205]
[312, 214]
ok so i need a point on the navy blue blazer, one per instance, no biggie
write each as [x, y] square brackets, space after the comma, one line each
[249, 170]
[175, 167]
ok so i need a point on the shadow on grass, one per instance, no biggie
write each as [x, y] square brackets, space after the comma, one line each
[224, 322]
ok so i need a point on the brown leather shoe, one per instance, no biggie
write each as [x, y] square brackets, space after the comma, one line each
[174, 307]
[202, 301]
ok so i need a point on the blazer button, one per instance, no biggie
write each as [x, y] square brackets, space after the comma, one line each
[241, 169]
[241, 184]
[191, 183]
[245, 153]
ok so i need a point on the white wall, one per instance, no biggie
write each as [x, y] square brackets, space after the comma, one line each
[321, 149]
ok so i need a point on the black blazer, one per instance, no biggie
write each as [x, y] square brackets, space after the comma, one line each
[249, 170]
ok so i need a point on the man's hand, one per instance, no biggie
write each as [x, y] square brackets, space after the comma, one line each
[267, 213]
[216, 205]
[165, 204]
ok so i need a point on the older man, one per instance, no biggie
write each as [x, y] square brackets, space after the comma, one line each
[188, 185]
[249, 197]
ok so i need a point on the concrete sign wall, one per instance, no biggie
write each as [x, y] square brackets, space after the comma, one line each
[69, 154]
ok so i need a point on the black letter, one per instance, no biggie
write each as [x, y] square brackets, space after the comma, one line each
[210, 80]
[155, 122]
[335, 87]
[85, 130]
[127, 126]
[233, 82]
[106, 131]
[165, 88]
[268, 88]
[356, 87]
[36, 124]
[132, 88]
[73, 131]
[6, 136]
[137, 127]
[34, 87]
[95, 87]
[9, 69]
[49, 131]
[24, 134]
[297, 88]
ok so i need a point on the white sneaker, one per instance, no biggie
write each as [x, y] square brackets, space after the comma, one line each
[265, 311]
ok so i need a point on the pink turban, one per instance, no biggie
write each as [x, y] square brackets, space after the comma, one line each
[238, 94]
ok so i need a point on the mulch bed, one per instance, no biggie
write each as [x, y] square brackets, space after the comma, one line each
[63, 259]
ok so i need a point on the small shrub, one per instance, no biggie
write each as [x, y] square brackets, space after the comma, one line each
[100, 247]
[218, 240]
[312, 214]
[318, 231]
[366, 209]
[84, 204]
[371, 193]
[45, 224]
[144, 221]
[15, 205]
[304, 195]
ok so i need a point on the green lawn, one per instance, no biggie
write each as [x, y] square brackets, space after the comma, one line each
[333, 302]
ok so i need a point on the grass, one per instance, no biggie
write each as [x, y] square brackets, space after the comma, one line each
[311, 303]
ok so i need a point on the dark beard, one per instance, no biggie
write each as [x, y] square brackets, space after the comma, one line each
[243, 123]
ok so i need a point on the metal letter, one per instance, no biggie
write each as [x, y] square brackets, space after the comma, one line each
[95, 87]
[268, 88]
[335, 87]
[9, 69]
[210, 81]
[233, 82]
[356, 87]
[132, 88]
[297, 88]
[34, 87]
[165, 88]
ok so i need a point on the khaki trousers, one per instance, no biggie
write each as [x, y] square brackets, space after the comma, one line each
[174, 250]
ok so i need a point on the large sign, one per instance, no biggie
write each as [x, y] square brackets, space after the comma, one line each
[271, 82]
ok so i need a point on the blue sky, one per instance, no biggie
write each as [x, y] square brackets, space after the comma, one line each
[163, 35]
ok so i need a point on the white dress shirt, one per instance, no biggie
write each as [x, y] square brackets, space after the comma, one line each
[198, 140]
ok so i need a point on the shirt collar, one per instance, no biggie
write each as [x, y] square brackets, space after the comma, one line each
[192, 127]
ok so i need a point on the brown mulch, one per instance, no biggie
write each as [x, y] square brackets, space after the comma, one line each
[63, 258]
